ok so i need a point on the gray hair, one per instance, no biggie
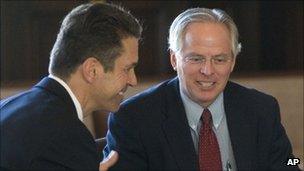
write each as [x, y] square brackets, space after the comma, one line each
[177, 28]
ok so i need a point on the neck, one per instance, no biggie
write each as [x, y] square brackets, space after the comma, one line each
[80, 89]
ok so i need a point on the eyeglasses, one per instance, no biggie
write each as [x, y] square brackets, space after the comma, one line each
[216, 60]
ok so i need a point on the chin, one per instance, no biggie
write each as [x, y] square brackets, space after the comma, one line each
[114, 108]
[206, 100]
[110, 108]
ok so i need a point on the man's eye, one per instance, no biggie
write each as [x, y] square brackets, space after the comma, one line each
[195, 59]
[127, 69]
[220, 60]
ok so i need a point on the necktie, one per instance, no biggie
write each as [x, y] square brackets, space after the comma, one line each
[209, 153]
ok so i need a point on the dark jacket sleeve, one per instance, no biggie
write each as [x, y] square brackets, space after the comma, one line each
[123, 136]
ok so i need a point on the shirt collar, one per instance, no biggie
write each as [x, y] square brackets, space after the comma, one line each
[217, 110]
[74, 99]
[194, 110]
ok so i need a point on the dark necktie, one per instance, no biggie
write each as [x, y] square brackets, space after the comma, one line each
[209, 153]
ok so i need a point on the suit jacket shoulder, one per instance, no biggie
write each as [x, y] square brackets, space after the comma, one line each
[150, 131]
[258, 138]
[41, 125]
[245, 92]
[147, 96]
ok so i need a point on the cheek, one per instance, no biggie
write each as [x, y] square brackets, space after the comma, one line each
[117, 78]
[187, 71]
[121, 80]
[224, 74]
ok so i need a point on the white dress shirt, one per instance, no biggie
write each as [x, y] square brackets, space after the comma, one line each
[220, 128]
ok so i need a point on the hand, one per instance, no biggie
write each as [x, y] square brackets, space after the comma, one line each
[109, 161]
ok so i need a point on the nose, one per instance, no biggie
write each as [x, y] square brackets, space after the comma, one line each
[207, 68]
[132, 80]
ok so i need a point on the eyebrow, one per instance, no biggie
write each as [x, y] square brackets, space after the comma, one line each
[133, 65]
[196, 54]
[221, 55]
[193, 54]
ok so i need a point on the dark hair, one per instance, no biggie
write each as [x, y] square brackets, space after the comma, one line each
[92, 30]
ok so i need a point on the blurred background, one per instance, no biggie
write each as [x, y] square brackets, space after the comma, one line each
[271, 60]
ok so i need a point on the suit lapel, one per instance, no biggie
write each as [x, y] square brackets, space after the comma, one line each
[240, 126]
[54, 87]
[75, 124]
[176, 129]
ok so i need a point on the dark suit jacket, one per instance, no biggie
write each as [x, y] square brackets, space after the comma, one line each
[40, 130]
[151, 132]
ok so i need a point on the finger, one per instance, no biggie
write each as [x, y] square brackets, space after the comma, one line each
[109, 161]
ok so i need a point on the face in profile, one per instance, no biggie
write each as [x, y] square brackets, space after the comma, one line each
[113, 84]
[204, 62]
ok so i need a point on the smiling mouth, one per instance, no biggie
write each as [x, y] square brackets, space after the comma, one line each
[122, 92]
[205, 85]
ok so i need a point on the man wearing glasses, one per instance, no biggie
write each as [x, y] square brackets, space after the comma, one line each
[200, 120]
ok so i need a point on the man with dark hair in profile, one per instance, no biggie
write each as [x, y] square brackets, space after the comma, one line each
[91, 65]
[200, 120]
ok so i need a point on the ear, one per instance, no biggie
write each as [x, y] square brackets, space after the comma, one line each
[91, 69]
[173, 59]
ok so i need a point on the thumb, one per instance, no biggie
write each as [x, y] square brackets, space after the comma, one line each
[109, 161]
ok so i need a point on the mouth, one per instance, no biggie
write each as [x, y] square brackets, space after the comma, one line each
[206, 84]
[122, 92]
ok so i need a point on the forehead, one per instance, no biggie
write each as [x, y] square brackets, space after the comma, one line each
[206, 38]
[206, 32]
